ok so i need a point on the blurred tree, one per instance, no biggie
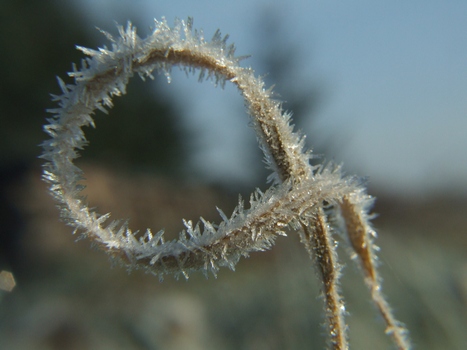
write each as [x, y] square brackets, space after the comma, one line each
[38, 39]
[282, 64]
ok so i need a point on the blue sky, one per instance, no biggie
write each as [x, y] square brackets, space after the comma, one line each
[394, 75]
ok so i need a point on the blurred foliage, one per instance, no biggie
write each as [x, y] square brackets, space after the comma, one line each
[72, 299]
[281, 65]
[270, 302]
[37, 44]
[283, 62]
[37, 40]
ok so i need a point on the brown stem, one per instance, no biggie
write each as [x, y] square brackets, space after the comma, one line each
[358, 232]
[319, 244]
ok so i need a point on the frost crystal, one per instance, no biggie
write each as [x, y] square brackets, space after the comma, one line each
[312, 200]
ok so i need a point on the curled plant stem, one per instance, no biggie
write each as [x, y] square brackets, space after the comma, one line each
[295, 200]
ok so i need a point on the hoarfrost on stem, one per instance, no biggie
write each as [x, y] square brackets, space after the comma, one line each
[315, 201]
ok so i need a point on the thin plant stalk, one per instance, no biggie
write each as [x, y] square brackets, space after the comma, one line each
[300, 198]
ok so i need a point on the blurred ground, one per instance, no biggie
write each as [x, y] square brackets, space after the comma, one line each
[69, 297]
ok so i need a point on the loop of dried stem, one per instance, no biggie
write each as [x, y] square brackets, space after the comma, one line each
[295, 200]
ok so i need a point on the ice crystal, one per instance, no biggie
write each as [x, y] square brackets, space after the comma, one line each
[311, 200]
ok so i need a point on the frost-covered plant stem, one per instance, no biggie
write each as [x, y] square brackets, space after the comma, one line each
[302, 197]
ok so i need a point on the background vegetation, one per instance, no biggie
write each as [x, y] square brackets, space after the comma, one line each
[68, 298]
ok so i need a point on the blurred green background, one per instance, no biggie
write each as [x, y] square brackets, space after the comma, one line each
[138, 166]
